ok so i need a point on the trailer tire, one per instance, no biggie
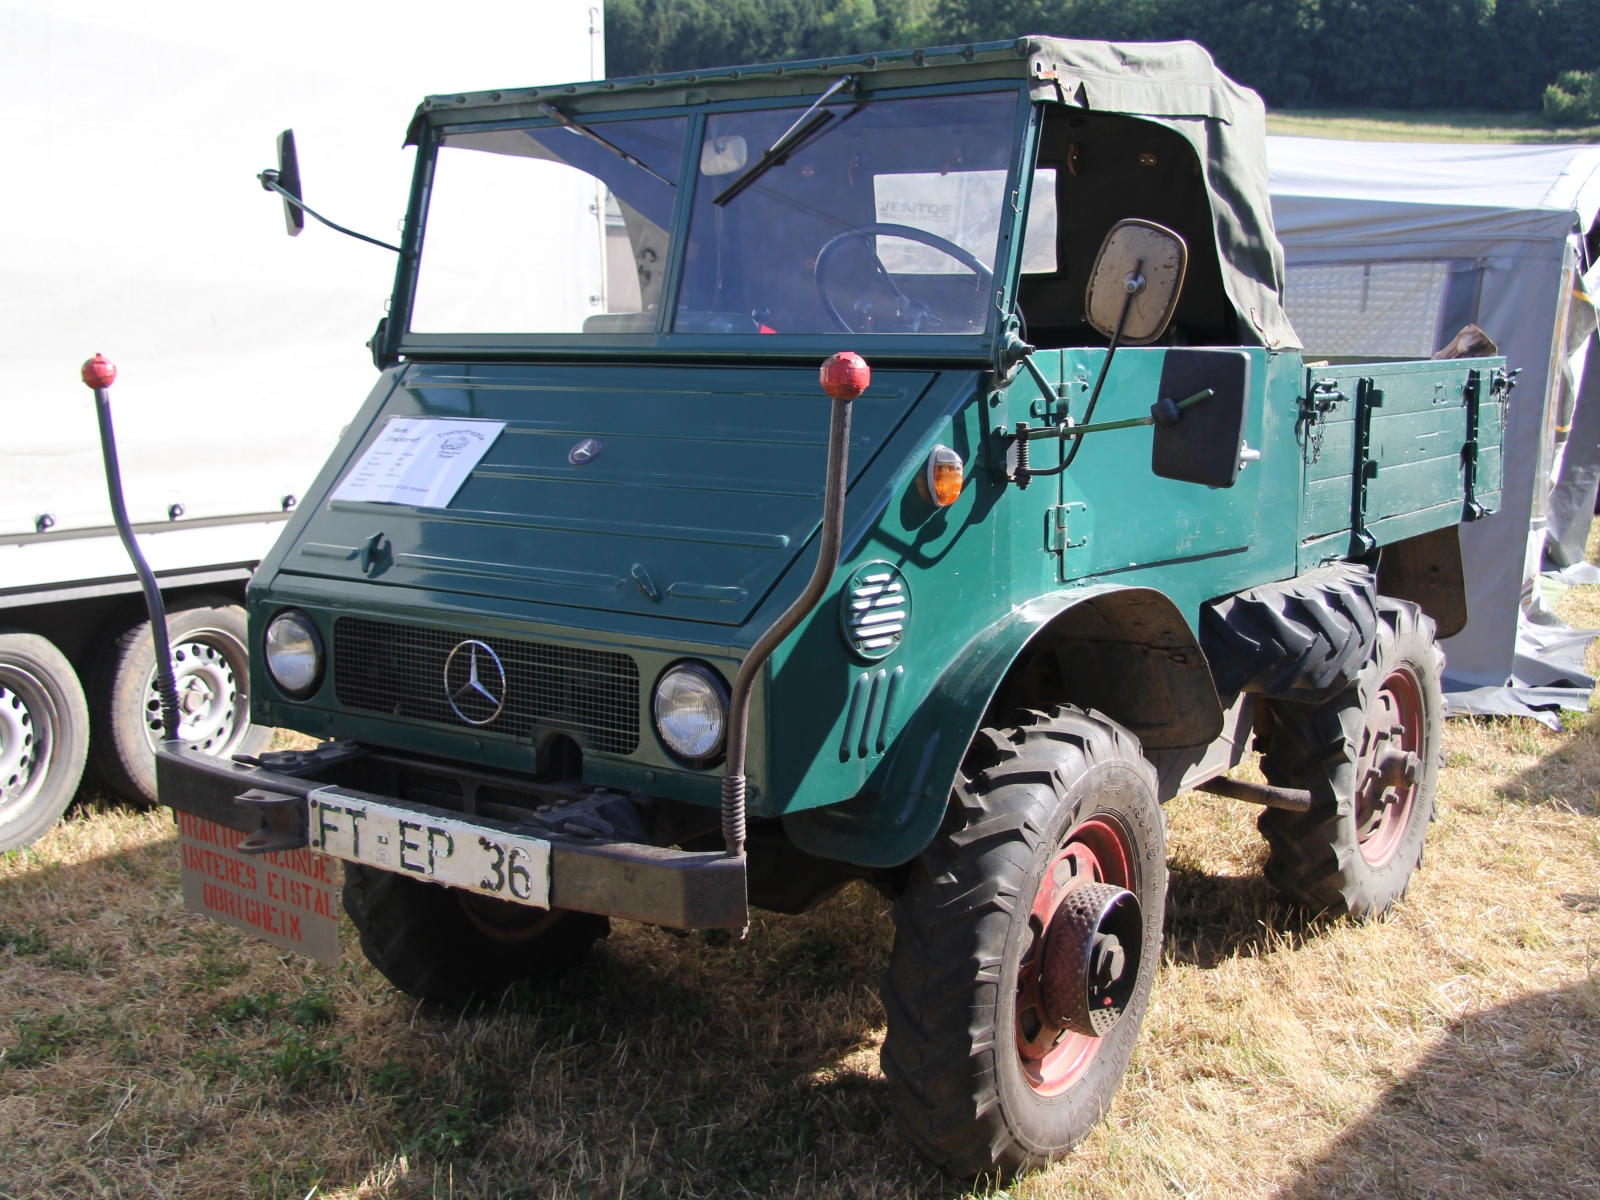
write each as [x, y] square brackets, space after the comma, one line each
[1356, 850]
[212, 660]
[1303, 639]
[980, 1083]
[44, 736]
[453, 948]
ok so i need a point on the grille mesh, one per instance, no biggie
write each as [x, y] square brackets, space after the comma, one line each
[399, 669]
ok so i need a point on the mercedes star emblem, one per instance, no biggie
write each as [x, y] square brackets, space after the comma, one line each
[585, 451]
[474, 682]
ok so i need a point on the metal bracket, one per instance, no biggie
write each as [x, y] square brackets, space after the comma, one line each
[283, 824]
[1471, 510]
[1368, 397]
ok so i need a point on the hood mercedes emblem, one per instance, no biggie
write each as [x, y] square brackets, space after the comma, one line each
[585, 451]
[474, 682]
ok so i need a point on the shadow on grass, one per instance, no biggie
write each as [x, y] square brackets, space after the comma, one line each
[1506, 1105]
[1212, 918]
[694, 1066]
[1567, 777]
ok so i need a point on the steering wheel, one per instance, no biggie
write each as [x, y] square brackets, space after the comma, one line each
[917, 312]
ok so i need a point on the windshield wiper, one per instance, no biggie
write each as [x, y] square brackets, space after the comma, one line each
[566, 122]
[787, 141]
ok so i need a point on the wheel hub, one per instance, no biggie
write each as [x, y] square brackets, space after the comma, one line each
[1388, 767]
[1088, 934]
[208, 698]
[16, 744]
[1091, 959]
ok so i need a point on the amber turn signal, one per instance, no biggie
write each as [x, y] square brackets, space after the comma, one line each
[944, 476]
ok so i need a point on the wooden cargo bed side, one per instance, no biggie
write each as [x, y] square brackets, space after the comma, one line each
[1396, 449]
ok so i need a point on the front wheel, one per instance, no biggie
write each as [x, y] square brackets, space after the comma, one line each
[452, 947]
[1026, 943]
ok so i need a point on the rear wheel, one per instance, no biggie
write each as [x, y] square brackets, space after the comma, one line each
[1025, 945]
[44, 736]
[1370, 758]
[211, 667]
[452, 947]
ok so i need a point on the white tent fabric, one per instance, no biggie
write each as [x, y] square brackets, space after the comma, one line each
[1391, 248]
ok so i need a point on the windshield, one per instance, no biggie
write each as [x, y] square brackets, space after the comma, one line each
[885, 218]
[547, 230]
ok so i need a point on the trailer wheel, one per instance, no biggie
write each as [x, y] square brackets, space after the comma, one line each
[1026, 942]
[1370, 757]
[451, 947]
[212, 669]
[44, 736]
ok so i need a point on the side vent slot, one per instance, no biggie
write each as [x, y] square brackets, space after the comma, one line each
[868, 723]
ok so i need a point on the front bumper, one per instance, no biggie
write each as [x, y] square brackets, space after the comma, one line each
[673, 888]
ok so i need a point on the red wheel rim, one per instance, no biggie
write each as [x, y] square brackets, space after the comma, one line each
[1389, 766]
[1099, 851]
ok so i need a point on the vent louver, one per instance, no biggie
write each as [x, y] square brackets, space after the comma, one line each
[874, 609]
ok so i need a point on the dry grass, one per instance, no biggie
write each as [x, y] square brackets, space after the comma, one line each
[1451, 1050]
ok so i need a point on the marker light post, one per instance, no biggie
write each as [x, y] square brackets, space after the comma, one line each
[99, 375]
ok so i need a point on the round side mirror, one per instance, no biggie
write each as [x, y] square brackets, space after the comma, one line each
[1141, 267]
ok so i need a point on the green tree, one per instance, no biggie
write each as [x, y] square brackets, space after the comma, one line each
[1573, 99]
[1297, 53]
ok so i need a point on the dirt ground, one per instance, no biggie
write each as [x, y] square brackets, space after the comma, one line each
[1450, 1050]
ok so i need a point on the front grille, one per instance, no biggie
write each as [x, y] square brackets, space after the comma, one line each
[400, 669]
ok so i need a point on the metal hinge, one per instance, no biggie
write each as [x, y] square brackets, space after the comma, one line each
[1057, 539]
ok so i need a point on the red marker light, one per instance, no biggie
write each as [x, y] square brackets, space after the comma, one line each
[98, 373]
[845, 375]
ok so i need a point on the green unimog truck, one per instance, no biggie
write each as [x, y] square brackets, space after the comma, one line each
[607, 606]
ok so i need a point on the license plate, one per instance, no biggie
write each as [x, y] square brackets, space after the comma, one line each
[429, 844]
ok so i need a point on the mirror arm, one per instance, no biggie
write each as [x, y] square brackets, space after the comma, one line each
[1163, 412]
[269, 183]
[1134, 285]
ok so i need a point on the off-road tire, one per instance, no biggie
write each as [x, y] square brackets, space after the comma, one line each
[1303, 639]
[123, 713]
[452, 948]
[1316, 857]
[962, 926]
[44, 736]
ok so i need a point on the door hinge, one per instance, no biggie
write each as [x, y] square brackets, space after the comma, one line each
[1057, 539]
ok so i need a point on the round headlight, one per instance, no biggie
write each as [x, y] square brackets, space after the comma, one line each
[691, 711]
[293, 653]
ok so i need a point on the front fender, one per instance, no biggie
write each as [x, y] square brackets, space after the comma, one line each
[892, 826]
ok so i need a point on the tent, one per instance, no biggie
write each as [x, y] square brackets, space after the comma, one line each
[1391, 248]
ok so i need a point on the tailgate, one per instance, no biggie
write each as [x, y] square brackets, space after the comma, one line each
[1397, 449]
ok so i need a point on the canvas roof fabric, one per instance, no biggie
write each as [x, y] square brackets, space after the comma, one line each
[1494, 235]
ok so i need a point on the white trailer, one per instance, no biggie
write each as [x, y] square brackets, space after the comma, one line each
[132, 224]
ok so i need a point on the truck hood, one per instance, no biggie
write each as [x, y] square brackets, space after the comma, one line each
[707, 485]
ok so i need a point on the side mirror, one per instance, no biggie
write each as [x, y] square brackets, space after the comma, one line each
[294, 216]
[1136, 280]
